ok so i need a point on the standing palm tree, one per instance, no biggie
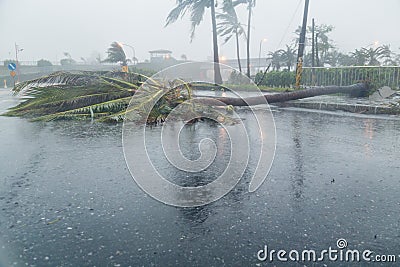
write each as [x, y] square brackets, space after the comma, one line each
[374, 55]
[344, 59]
[116, 54]
[336, 58]
[276, 59]
[288, 56]
[397, 60]
[250, 5]
[229, 26]
[68, 60]
[324, 43]
[359, 57]
[197, 9]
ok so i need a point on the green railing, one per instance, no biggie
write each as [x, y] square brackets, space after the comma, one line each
[378, 76]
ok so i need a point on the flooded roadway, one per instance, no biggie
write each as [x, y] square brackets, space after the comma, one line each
[67, 197]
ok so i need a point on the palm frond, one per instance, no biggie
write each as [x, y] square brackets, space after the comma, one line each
[197, 13]
[228, 22]
[57, 78]
[116, 54]
[141, 104]
[178, 11]
[104, 108]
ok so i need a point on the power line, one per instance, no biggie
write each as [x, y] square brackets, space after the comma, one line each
[290, 24]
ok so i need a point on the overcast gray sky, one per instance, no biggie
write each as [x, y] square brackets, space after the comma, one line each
[47, 28]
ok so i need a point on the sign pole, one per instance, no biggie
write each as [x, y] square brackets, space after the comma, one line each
[12, 67]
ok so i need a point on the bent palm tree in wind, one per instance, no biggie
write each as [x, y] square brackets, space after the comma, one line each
[229, 26]
[116, 54]
[197, 8]
[250, 5]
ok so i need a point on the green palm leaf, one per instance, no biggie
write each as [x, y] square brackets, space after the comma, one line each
[104, 108]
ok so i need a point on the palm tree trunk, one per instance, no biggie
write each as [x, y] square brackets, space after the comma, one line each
[248, 38]
[217, 71]
[355, 89]
[238, 51]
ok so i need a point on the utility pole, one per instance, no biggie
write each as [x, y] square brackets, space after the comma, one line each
[299, 68]
[313, 44]
[313, 52]
[316, 49]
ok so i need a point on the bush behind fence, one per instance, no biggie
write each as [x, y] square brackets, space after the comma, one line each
[377, 76]
[341, 76]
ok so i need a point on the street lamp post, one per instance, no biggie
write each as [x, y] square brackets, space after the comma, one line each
[259, 53]
[17, 50]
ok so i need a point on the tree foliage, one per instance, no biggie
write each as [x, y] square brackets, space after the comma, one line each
[67, 62]
[283, 57]
[107, 97]
[196, 10]
[44, 63]
[65, 95]
[328, 55]
[229, 26]
[324, 42]
[284, 79]
[116, 54]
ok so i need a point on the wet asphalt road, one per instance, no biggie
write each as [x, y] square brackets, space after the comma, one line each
[67, 197]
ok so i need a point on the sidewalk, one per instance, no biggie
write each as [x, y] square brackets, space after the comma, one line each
[355, 105]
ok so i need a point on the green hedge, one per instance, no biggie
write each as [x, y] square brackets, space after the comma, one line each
[285, 79]
[377, 76]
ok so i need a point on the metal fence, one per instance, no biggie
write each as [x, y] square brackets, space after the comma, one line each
[27, 72]
[378, 76]
[54, 63]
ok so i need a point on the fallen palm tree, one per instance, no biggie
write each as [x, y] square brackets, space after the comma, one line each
[106, 96]
[359, 89]
[102, 96]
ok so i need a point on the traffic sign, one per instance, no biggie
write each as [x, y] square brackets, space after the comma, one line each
[11, 66]
[13, 73]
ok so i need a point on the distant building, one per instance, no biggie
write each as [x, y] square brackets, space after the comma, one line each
[256, 64]
[162, 58]
[159, 59]
[160, 55]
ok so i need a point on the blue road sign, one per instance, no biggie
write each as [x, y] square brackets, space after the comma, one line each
[12, 66]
